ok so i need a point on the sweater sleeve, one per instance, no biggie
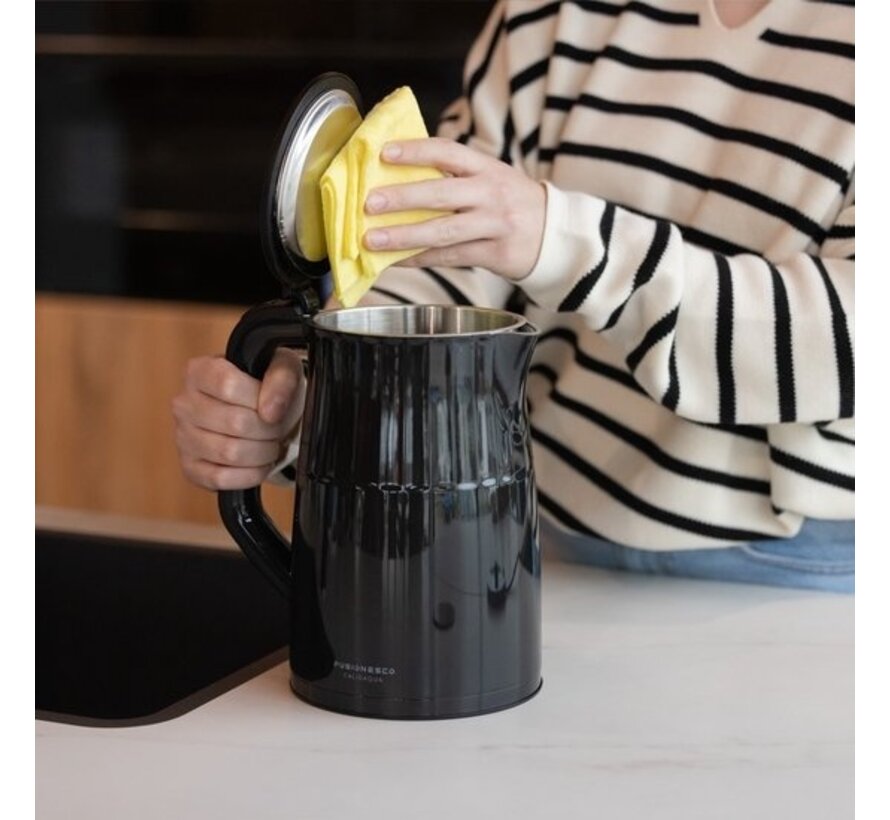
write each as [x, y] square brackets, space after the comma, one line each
[717, 339]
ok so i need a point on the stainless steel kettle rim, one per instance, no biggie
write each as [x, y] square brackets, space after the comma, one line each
[420, 321]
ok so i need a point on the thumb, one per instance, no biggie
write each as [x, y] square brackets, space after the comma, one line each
[280, 386]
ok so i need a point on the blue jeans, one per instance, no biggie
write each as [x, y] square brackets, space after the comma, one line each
[820, 556]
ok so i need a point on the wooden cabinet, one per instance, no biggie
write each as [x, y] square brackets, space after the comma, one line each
[106, 372]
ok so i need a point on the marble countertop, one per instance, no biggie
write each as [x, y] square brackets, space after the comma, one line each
[662, 698]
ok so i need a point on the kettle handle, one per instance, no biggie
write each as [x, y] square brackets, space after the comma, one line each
[260, 331]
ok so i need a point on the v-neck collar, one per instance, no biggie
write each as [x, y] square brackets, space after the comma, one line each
[756, 25]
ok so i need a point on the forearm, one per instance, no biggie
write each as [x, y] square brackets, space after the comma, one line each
[733, 340]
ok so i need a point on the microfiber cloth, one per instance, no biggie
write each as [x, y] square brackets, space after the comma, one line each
[345, 185]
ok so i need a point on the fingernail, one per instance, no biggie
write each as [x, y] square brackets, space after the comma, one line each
[392, 151]
[376, 239]
[375, 202]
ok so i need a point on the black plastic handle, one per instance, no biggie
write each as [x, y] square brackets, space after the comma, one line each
[263, 329]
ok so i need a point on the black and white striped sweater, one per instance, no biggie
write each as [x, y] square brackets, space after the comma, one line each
[693, 384]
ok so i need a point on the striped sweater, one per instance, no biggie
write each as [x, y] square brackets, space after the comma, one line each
[693, 382]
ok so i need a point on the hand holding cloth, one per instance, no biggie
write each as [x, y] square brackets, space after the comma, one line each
[354, 172]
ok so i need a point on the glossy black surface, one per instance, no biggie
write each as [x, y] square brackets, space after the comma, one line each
[135, 632]
[415, 569]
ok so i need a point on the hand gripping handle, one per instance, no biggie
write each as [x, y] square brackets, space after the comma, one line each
[251, 346]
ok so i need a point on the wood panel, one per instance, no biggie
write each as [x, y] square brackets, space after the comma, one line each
[106, 372]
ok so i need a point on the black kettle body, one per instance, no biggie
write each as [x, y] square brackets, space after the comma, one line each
[414, 569]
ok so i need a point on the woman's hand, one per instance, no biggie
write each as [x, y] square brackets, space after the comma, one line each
[498, 222]
[231, 428]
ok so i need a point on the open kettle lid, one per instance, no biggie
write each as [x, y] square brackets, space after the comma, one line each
[321, 121]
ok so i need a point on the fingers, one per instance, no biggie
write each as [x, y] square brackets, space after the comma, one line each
[228, 451]
[223, 440]
[496, 212]
[280, 390]
[446, 155]
[215, 477]
[449, 194]
[206, 413]
[214, 376]
[433, 233]
[218, 461]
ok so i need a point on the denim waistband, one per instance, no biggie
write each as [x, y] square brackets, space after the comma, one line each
[820, 556]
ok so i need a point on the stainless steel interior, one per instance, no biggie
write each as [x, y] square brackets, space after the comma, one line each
[418, 320]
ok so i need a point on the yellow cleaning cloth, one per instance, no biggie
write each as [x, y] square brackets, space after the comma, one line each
[345, 185]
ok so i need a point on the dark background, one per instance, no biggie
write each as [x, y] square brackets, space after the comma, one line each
[156, 123]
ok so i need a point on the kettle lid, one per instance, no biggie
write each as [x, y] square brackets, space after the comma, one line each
[322, 120]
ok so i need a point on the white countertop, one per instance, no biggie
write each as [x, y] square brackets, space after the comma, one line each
[662, 699]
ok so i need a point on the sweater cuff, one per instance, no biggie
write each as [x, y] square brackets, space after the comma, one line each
[571, 243]
[283, 472]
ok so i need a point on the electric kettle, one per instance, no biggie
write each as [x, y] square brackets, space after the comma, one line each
[413, 571]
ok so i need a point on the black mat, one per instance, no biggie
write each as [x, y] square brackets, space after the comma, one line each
[131, 631]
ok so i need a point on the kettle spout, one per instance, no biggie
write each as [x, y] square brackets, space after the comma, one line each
[513, 354]
[515, 350]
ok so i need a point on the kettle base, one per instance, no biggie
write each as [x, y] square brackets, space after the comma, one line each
[419, 709]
